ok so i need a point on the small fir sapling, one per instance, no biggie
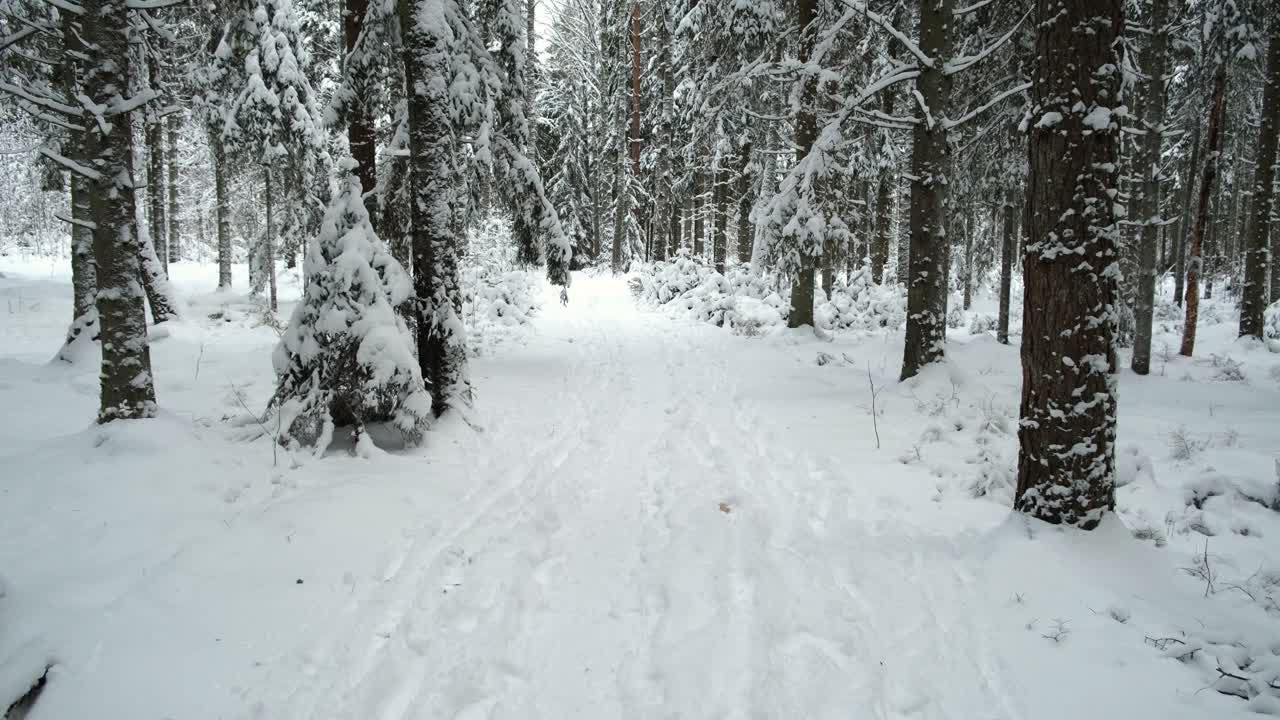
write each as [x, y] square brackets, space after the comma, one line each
[347, 358]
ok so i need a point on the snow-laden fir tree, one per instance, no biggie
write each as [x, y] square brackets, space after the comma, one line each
[346, 359]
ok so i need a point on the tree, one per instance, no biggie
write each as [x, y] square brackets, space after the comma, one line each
[346, 358]
[1066, 436]
[1253, 299]
[1150, 163]
[1223, 29]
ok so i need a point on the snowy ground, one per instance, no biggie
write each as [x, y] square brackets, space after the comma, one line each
[657, 519]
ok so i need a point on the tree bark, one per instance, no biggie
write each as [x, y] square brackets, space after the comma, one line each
[1213, 146]
[806, 133]
[746, 233]
[174, 234]
[435, 189]
[930, 164]
[1148, 205]
[155, 137]
[1066, 435]
[720, 234]
[222, 209]
[699, 211]
[269, 240]
[126, 387]
[1184, 224]
[1006, 270]
[361, 136]
[1253, 298]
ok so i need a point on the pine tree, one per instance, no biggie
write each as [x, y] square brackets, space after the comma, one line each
[1066, 436]
[346, 359]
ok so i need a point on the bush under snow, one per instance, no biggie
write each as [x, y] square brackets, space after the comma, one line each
[750, 304]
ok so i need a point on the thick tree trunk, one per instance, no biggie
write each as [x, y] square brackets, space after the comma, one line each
[435, 189]
[126, 387]
[156, 283]
[930, 164]
[174, 235]
[1148, 204]
[1253, 298]
[361, 135]
[1213, 145]
[222, 209]
[1066, 435]
[1006, 269]
[806, 133]
[1184, 224]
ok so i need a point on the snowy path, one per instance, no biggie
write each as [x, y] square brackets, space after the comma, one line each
[651, 549]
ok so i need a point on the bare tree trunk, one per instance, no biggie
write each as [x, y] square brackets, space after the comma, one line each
[720, 233]
[155, 137]
[126, 387]
[930, 164]
[435, 190]
[968, 262]
[1184, 225]
[222, 208]
[1253, 298]
[1066, 435]
[1149, 159]
[806, 133]
[174, 235]
[84, 276]
[1213, 146]
[361, 136]
[269, 241]
[699, 210]
[1006, 270]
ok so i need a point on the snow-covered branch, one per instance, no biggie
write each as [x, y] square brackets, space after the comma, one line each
[17, 37]
[153, 4]
[68, 6]
[955, 65]
[947, 123]
[43, 101]
[888, 27]
[72, 165]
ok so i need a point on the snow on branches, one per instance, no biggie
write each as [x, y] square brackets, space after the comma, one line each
[347, 358]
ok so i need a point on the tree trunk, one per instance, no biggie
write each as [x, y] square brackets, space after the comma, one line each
[126, 387]
[1148, 204]
[156, 283]
[269, 240]
[1184, 224]
[155, 137]
[1253, 298]
[84, 281]
[1066, 435]
[720, 237]
[968, 263]
[361, 136]
[1006, 270]
[746, 233]
[802, 291]
[699, 214]
[174, 234]
[1213, 145]
[930, 163]
[222, 208]
[435, 189]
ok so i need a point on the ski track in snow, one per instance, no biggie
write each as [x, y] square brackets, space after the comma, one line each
[690, 566]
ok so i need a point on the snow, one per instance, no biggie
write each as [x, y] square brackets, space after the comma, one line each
[660, 518]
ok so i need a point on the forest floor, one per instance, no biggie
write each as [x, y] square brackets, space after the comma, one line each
[644, 518]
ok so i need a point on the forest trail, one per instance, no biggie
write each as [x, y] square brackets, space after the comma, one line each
[640, 542]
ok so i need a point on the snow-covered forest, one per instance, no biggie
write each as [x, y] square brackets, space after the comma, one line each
[507, 359]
